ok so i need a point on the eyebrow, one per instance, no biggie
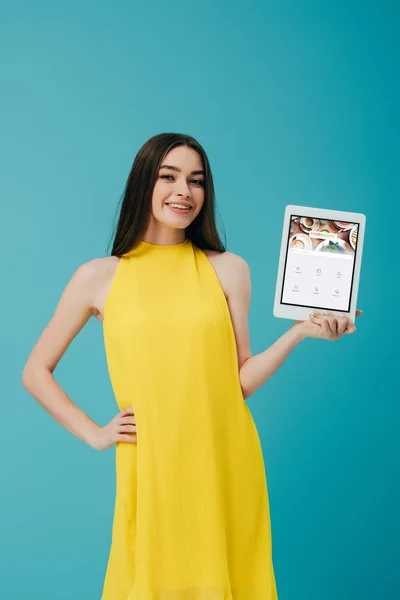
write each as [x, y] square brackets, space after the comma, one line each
[179, 170]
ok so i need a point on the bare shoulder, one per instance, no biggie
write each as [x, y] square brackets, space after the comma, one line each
[105, 270]
[89, 276]
[230, 267]
[94, 270]
[230, 260]
[94, 278]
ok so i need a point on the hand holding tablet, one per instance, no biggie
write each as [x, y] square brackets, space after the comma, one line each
[327, 326]
[319, 269]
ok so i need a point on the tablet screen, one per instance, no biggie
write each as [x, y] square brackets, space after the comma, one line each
[319, 264]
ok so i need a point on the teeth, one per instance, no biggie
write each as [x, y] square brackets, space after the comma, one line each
[180, 206]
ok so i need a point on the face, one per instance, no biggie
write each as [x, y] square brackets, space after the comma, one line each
[184, 183]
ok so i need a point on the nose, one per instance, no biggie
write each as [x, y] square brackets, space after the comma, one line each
[183, 189]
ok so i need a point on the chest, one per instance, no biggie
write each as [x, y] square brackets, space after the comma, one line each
[218, 261]
[151, 301]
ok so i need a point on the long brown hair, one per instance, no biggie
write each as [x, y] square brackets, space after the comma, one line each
[136, 207]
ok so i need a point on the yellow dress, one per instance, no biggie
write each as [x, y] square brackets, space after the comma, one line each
[191, 515]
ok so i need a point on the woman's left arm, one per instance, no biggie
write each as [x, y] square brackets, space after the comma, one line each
[256, 370]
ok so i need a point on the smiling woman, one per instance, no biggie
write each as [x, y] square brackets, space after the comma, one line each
[192, 512]
[191, 517]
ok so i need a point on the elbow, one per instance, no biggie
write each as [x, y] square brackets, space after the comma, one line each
[242, 376]
[245, 391]
[26, 376]
[33, 373]
[29, 374]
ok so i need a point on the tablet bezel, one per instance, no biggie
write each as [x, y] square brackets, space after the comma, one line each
[290, 311]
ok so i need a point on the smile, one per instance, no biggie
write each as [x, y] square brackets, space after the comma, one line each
[179, 207]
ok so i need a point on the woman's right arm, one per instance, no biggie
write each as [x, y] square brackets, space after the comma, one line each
[74, 309]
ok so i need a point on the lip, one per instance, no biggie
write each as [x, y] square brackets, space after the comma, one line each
[178, 211]
[183, 203]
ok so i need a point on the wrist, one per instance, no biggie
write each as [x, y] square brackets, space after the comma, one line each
[300, 330]
[91, 436]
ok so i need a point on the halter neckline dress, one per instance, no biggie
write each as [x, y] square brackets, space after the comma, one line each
[191, 515]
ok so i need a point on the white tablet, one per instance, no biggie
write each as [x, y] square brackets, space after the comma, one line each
[319, 263]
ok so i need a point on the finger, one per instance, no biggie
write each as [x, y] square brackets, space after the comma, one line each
[317, 315]
[342, 324]
[322, 315]
[315, 319]
[127, 411]
[323, 323]
[125, 437]
[351, 328]
[320, 318]
[128, 420]
[332, 325]
[126, 428]
[358, 313]
[326, 329]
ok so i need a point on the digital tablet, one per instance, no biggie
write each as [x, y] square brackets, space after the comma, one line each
[319, 262]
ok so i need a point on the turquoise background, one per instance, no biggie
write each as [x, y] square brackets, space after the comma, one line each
[294, 102]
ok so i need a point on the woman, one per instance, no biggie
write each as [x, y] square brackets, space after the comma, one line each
[191, 516]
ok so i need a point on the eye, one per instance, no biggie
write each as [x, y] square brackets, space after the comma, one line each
[199, 181]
